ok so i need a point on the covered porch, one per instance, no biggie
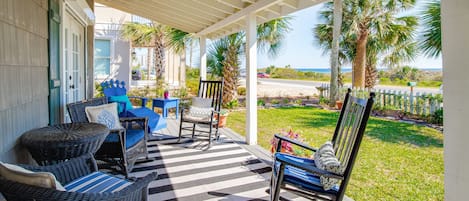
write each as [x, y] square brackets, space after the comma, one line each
[24, 68]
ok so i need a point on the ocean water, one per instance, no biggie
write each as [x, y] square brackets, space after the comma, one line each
[346, 70]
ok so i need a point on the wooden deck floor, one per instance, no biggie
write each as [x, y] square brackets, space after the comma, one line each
[229, 170]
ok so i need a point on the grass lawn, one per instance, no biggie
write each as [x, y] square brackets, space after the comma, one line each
[396, 161]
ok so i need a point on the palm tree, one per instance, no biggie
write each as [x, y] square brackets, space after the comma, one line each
[431, 39]
[370, 30]
[159, 37]
[337, 25]
[223, 55]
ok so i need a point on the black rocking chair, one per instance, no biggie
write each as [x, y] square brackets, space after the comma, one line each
[303, 176]
[207, 89]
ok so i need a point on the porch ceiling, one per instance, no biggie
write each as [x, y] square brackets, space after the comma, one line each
[212, 18]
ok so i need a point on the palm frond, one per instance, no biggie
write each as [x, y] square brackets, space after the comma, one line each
[431, 37]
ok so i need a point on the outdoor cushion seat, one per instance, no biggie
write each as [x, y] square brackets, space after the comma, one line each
[81, 180]
[132, 137]
[155, 121]
[115, 91]
[97, 182]
[300, 177]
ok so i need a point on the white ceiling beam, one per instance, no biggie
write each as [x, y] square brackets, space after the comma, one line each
[151, 16]
[290, 3]
[149, 13]
[233, 3]
[285, 10]
[201, 10]
[273, 11]
[220, 7]
[307, 3]
[240, 14]
[184, 12]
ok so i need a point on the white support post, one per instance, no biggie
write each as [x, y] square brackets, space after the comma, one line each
[251, 82]
[203, 58]
[455, 43]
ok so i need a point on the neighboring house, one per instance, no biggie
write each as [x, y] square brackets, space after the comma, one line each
[113, 54]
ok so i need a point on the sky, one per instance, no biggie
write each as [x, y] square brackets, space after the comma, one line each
[301, 51]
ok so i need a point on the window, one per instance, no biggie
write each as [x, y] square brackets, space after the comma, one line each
[102, 57]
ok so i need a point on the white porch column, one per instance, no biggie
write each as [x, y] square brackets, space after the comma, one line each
[455, 44]
[251, 82]
[203, 58]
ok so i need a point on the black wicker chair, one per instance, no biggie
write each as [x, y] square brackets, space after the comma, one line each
[118, 153]
[302, 174]
[214, 91]
[65, 173]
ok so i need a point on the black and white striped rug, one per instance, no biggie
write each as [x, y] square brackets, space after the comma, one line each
[190, 171]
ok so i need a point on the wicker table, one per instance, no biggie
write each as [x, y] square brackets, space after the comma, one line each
[52, 144]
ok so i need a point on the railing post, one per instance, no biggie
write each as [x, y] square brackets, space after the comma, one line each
[424, 106]
[405, 101]
[411, 102]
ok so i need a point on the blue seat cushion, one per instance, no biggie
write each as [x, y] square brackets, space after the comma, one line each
[133, 136]
[155, 121]
[302, 178]
[121, 99]
[97, 182]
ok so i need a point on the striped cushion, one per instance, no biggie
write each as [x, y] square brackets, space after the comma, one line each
[302, 178]
[97, 182]
[325, 159]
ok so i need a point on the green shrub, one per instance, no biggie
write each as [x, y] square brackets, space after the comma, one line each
[437, 117]
[181, 92]
[193, 73]
[232, 104]
[298, 101]
[98, 92]
[242, 91]
[260, 102]
[275, 101]
[323, 100]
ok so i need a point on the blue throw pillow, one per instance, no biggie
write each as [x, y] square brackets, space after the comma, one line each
[122, 99]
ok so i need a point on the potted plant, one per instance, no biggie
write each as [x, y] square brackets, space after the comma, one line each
[339, 104]
[223, 115]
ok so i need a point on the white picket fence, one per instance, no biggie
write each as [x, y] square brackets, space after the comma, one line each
[414, 103]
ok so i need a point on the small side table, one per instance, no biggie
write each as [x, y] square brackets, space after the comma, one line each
[52, 144]
[165, 104]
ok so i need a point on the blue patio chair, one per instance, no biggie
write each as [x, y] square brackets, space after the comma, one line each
[115, 91]
[326, 176]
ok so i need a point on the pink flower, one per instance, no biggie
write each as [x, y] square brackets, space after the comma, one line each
[286, 147]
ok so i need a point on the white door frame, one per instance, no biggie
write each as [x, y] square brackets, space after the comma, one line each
[73, 43]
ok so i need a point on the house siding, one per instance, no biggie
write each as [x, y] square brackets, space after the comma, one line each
[109, 22]
[23, 73]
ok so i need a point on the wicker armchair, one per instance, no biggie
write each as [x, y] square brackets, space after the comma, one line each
[128, 144]
[69, 171]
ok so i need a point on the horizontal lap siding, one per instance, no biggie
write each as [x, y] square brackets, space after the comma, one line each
[23, 73]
